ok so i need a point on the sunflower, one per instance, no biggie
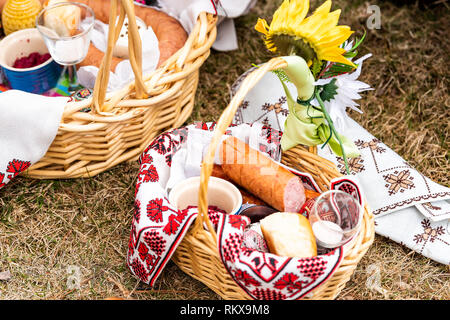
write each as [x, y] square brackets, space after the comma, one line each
[315, 38]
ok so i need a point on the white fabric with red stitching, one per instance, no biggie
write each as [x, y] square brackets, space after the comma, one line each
[29, 123]
[158, 227]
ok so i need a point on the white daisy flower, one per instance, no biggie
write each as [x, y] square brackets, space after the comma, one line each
[348, 89]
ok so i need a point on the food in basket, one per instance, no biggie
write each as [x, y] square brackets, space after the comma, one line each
[252, 238]
[311, 194]
[63, 20]
[121, 47]
[221, 194]
[246, 196]
[32, 60]
[289, 234]
[261, 176]
[170, 33]
[257, 212]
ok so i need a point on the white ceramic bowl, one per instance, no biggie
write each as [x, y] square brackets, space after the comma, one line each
[221, 194]
[38, 79]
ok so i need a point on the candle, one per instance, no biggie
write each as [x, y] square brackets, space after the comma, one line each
[328, 234]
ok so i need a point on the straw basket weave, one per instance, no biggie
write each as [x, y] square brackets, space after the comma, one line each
[198, 255]
[122, 123]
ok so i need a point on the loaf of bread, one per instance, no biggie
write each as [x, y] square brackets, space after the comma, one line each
[64, 20]
[289, 235]
[170, 33]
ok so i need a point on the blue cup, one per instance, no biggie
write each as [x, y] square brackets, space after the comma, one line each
[38, 79]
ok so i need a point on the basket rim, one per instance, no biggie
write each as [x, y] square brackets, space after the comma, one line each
[162, 79]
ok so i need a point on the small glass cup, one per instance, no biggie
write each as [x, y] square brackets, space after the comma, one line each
[66, 29]
[335, 218]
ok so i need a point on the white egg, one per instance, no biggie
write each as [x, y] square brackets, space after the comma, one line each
[121, 48]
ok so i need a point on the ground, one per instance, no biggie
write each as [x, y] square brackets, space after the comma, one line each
[51, 230]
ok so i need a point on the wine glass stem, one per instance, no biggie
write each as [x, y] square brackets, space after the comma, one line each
[73, 81]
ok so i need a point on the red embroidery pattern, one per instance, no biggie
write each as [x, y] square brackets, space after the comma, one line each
[139, 270]
[155, 210]
[267, 276]
[149, 175]
[174, 222]
[232, 247]
[2, 176]
[155, 241]
[244, 278]
[289, 281]
[14, 167]
[17, 166]
[268, 294]
[313, 267]
[237, 221]
[137, 211]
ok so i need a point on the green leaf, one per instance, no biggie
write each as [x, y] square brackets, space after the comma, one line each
[337, 69]
[350, 54]
[316, 68]
[358, 42]
[329, 91]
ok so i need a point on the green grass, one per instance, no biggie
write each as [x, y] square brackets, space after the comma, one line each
[47, 226]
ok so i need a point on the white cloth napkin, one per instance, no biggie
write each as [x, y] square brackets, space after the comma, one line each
[29, 123]
[409, 208]
[187, 161]
[187, 11]
[123, 74]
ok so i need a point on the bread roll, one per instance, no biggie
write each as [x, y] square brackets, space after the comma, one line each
[289, 235]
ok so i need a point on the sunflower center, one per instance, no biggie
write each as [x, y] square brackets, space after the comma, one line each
[291, 45]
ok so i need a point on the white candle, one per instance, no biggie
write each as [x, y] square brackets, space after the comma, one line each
[328, 234]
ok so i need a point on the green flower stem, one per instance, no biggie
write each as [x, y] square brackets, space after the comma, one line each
[333, 130]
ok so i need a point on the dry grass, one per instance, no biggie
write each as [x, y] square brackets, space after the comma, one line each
[47, 226]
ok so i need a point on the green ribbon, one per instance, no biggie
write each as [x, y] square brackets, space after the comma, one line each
[305, 123]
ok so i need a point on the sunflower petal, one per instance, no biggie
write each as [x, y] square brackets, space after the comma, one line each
[262, 26]
[338, 58]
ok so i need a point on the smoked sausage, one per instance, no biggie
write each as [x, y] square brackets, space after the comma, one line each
[261, 176]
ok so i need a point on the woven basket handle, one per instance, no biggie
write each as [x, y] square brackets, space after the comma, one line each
[222, 125]
[120, 8]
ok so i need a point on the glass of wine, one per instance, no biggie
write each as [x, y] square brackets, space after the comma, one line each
[335, 218]
[66, 29]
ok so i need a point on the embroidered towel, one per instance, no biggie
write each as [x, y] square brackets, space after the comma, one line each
[29, 123]
[158, 227]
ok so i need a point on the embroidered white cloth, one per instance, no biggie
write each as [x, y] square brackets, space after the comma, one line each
[187, 11]
[29, 123]
[409, 208]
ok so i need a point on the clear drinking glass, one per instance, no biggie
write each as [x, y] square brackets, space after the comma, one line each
[335, 218]
[66, 29]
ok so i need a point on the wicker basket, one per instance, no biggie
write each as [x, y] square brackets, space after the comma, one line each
[122, 123]
[197, 254]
